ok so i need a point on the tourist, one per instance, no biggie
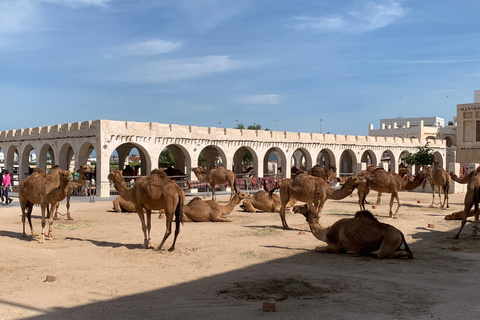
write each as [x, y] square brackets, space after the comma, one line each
[1, 185]
[6, 186]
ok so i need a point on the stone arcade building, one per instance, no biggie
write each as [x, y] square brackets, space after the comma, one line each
[64, 143]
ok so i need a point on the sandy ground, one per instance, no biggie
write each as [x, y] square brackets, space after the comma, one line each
[227, 270]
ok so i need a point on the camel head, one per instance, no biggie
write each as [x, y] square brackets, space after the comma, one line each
[86, 169]
[65, 175]
[115, 176]
[305, 209]
[242, 195]
[452, 174]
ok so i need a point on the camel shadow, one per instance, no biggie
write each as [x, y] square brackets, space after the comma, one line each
[274, 227]
[16, 235]
[288, 248]
[107, 243]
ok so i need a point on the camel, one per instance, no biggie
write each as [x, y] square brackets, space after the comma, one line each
[311, 189]
[458, 215]
[216, 176]
[402, 172]
[122, 205]
[46, 190]
[324, 172]
[154, 192]
[266, 202]
[439, 177]
[384, 181]
[472, 198]
[198, 210]
[362, 234]
[74, 185]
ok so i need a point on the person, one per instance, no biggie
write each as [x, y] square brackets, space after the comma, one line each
[1, 185]
[6, 186]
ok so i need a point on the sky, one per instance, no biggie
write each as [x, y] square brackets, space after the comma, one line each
[288, 65]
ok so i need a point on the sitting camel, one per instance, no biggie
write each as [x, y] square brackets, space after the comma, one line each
[384, 181]
[46, 190]
[362, 234]
[458, 215]
[74, 185]
[216, 176]
[154, 192]
[311, 189]
[266, 202]
[439, 177]
[198, 210]
[122, 205]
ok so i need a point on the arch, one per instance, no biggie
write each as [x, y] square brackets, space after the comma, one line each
[449, 141]
[302, 156]
[405, 154]
[242, 163]
[124, 151]
[348, 162]
[12, 165]
[66, 157]
[181, 158]
[325, 157]
[274, 162]
[388, 159]
[46, 157]
[369, 158]
[28, 156]
[214, 157]
[430, 138]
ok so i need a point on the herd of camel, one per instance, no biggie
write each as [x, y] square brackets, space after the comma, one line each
[361, 234]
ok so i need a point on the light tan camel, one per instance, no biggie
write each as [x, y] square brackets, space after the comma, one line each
[458, 215]
[122, 205]
[198, 210]
[440, 178]
[154, 192]
[266, 202]
[216, 176]
[46, 190]
[311, 189]
[324, 172]
[362, 234]
[389, 182]
[74, 185]
[472, 198]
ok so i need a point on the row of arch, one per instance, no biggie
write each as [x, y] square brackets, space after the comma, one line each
[275, 159]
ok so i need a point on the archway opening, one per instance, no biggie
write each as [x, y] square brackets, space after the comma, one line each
[388, 160]
[245, 161]
[347, 164]
[274, 163]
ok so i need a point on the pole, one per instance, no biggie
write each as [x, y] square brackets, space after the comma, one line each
[320, 125]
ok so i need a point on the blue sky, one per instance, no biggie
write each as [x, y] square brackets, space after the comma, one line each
[282, 64]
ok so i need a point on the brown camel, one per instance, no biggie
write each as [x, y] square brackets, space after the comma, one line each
[362, 234]
[154, 192]
[74, 185]
[439, 177]
[122, 205]
[311, 189]
[389, 182]
[46, 190]
[472, 198]
[216, 176]
[458, 215]
[266, 202]
[326, 173]
[198, 210]
[402, 172]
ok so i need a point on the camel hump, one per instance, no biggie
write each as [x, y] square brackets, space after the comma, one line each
[195, 199]
[365, 214]
[159, 173]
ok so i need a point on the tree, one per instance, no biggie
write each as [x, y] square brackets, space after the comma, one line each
[166, 159]
[240, 126]
[424, 157]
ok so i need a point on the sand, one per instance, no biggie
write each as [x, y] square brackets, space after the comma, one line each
[227, 270]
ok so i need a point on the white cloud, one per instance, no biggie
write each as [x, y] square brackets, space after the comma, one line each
[259, 99]
[172, 70]
[152, 47]
[373, 15]
[17, 16]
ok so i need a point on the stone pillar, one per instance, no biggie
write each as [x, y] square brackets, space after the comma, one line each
[102, 170]
[237, 162]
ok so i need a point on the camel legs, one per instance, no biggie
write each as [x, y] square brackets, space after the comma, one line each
[146, 229]
[168, 231]
[214, 196]
[466, 209]
[49, 215]
[27, 208]
[284, 201]
[445, 197]
[247, 205]
[379, 198]
[394, 196]
[388, 249]
[69, 217]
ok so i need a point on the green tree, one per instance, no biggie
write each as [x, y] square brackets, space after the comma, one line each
[166, 159]
[424, 157]
[240, 126]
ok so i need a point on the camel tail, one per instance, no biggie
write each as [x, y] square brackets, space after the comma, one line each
[273, 190]
[407, 248]
[235, 185]
[446, 186]
[179, 209]
[477, 198]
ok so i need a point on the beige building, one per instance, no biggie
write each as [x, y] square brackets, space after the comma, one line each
[468, 131]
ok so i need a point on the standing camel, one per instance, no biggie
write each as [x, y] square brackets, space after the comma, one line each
[154, 192]
[46, 190]
[311, 189]
[216, 176]
[472, 199]
[389, 182]
[362, 234]
[198, 210]
[439, 177]
[74, 185]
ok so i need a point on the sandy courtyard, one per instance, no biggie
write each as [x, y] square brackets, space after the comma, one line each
[226, 270]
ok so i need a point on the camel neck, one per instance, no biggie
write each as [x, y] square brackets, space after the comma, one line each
[317, 230]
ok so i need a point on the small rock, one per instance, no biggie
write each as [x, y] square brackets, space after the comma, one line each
[268, 306]
[430, 225]
[51, 279]
[301, 232]
[374, 207]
